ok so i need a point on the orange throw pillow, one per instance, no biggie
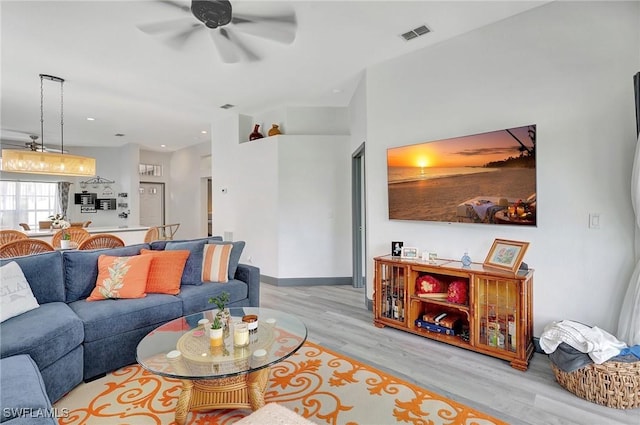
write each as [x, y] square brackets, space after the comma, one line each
[166, 270]
[121, 277]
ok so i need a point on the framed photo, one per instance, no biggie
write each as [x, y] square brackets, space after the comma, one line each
[409, 253]
[506, 255]
[396, 248]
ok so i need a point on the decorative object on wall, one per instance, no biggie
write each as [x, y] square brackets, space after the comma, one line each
[96, 182]
[465, 179]
[506, 255]
[256, 133]
[274, 130]
[153, 170]
[465, 260]
[40, 161]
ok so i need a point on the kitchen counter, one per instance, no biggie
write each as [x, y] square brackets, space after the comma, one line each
[130, 235]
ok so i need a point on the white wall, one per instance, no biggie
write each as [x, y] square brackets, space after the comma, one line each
[314, 206]
[287, 197]
[187, 201]
[247, 172]
[565, 66]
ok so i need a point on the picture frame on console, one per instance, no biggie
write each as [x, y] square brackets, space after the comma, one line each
[506, 255]
[409, 253]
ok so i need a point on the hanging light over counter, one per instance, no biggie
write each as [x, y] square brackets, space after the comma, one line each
[42, 162]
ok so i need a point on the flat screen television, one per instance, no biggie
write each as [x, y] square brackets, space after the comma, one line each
[487, 178]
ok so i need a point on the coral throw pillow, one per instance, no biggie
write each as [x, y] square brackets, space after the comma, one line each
[215, 262]
[166, 270]
[121, 277]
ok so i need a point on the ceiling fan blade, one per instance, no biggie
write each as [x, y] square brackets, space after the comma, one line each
[181, 6]
[249, 55]
[289, 18]
[272, 28]
[181, 24]
[225, 46]
[178, 40]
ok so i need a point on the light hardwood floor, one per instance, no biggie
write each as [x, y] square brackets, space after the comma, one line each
[337, 317]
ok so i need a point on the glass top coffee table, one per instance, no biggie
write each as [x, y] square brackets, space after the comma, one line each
[223, 376]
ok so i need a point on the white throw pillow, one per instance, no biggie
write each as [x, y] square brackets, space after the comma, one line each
[15, 293]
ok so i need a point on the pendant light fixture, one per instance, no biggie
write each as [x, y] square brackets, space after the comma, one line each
[42, 162]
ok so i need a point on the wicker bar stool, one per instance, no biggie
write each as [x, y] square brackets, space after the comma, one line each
[23, 247]
[11, 235]
[77, 234]
[101, 240]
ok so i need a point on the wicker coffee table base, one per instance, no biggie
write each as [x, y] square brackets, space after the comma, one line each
[236, 392]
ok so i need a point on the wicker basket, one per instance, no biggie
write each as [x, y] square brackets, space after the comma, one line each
[611, 384]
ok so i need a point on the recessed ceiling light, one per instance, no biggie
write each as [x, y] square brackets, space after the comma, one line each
[227, 106]
[163, 146]
[119, 135]
[336, 91]
[204, 132]
[90, 119]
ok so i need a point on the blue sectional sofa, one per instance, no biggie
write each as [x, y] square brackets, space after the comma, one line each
[71, 339]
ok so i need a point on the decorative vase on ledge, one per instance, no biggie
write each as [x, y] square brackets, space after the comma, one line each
[256, 133]
[274, 130]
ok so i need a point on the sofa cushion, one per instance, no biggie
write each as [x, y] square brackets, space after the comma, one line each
[215, 263]
[196, 298]
[114, 317]
[193, 267]
[23, 397]
[15, 294]
[234, 258]
[46, 333]
[166, 270]
[44, 274]
[121, 277]
[81, 268]
[161, 245]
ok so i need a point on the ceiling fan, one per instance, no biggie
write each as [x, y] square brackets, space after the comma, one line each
[32, 145]
[217, 17]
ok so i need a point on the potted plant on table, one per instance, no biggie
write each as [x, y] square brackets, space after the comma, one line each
[65, 242]
[215, 333]
[223, 313]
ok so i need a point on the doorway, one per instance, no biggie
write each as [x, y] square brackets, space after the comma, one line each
[151, 204]
[358, 219]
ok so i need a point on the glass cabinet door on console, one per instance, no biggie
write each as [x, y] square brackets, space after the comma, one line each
[503, 317]
[390, 296]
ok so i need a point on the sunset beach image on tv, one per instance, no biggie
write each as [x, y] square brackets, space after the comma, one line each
[484, 178]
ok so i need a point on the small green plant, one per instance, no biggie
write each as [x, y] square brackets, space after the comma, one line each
[220, 301]
[217, 323]
[66, 236]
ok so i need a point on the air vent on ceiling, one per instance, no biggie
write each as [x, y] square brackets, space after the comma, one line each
[227, 106]
[416, 32]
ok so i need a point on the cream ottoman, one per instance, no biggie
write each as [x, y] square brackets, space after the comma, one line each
[274, 414]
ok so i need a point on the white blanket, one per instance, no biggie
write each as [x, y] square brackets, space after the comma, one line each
[598, 344]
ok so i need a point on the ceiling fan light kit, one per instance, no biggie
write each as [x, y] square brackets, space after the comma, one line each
[42, 162]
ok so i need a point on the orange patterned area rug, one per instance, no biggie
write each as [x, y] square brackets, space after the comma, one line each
[321, 385]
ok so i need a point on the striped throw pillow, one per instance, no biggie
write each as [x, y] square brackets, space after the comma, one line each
[215, 262]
